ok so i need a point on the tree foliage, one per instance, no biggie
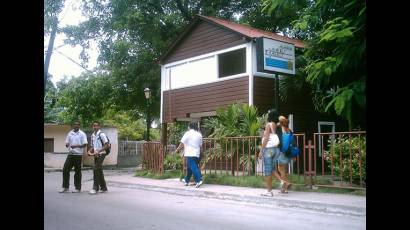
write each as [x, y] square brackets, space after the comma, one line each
[52, 8]
[51, 108]
[84, 98]
[234, 120]
[132, 35]
[335, 32]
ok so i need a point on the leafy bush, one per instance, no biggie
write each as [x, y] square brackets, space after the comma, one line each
[173, 162]
[236, 120]
[175, 131]
[341, 146]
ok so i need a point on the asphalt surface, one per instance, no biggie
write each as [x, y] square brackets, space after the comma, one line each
[130, 208]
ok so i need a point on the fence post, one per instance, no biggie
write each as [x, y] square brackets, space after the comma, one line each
[310, 172]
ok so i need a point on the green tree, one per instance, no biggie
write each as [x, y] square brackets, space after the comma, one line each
[52, 8]
[84, 98]
[51, 109]
[233, 121]
[175, 131]
[128, 128]
[335, 32]
[132, 35]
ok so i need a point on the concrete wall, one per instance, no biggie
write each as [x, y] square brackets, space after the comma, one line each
[111, 159]
[128, 161]
[59, 133]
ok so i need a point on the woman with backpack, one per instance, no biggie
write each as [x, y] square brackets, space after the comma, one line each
[283, 160]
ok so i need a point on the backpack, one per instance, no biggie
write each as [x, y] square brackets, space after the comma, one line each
[109, 144]
[290, 147]
[293, 150]
[286, 141]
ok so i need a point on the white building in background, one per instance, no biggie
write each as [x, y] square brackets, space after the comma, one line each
[55, 152]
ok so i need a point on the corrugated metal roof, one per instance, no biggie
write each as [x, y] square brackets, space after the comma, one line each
[252, 32]
[244, 30]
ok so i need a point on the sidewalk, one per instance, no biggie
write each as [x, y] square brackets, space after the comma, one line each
[322, 202]
[60, 169]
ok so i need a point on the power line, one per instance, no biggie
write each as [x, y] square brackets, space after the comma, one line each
[66, 10]
[89, 71]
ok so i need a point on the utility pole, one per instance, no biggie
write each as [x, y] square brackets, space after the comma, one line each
[277, 92]
[49, 51]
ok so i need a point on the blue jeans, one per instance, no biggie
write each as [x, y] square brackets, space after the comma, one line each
[192, 168]
[270, 159]
[282, 159]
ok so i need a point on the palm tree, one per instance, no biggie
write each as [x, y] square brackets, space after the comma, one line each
[236, 120]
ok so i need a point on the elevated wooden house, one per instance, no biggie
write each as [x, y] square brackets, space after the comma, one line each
[215, 63]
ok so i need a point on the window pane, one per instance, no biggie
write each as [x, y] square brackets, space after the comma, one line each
[232, 63]
[48, 145]
[193, 73]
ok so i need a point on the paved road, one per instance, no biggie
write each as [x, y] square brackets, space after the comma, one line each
[124, 208]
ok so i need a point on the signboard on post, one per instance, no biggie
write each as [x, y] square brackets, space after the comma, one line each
[275, 56]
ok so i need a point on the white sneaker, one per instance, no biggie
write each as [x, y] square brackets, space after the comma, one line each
[270, 194]
[92, 192]
[199, 184]
[184, 181]
[63, 190]
[76, 191]
[103, 191]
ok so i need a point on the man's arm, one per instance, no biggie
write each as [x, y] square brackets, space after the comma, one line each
[266, 136]
[78, 146]
[180, 146]
[91, 147]
[67, 140]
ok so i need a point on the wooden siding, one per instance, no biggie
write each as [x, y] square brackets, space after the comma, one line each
[204, 38]
[203, 98]
[300, 104]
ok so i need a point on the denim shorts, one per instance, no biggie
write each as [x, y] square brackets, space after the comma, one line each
[282, 159]
[270, 159]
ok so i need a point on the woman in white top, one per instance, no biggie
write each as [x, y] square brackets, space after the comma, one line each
[270, 151]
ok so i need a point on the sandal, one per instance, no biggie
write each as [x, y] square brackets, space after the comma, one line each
[270, 194]
[288, 186]
[283, 189]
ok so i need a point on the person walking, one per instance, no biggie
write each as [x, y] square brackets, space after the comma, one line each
[192, 144]
[283, 160]
[270, 151]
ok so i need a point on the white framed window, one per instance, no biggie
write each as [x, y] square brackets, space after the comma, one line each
[212, 67]
[232, 63]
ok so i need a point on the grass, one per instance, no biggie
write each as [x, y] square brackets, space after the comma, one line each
[257, 181]
[304, 188]
[243, 181]
[167, 174]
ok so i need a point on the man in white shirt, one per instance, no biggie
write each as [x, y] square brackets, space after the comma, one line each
[76, 141]
[192, 144]
[99, 143]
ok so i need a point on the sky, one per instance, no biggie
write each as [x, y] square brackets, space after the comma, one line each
[61, 66]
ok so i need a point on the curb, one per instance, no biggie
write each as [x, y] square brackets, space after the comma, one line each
[260, 201]
[60, 169]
